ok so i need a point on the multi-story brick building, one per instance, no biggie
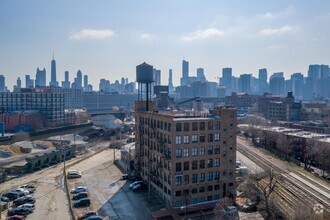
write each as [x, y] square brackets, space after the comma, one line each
[186, 158]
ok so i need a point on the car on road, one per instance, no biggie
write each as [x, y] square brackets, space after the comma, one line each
[16, 217]
[4, 198]
[28, 206]
[18, 211]
[24, 200]
[139, 187]
[82, 202]
[73, 174]
[85, 215]
[29, 187]
[79, 189]
[95, 217]
[250, 207]
[135, 183]
[11, 195]
[21, 192]
[79, 195]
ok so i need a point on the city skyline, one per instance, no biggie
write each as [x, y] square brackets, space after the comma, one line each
[282, 37]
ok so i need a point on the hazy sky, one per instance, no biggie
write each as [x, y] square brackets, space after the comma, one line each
[107, 39]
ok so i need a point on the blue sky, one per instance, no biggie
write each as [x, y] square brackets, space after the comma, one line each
[107, 39]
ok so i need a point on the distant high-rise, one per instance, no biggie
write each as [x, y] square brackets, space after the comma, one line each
[122, 81]
[66, 82]
[28, 82]
[244, 83]
[18, 83]
[53, 81]
[226, 80]
[185, 72]
[85, 82]
[40, 78]
[126, 81]
[200, 75]
[263, 85]
[170, 81]
[276, 84]
[2, 84]
[297, 85]
[157, 77]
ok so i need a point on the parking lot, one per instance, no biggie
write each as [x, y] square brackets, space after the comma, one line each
[110, 196]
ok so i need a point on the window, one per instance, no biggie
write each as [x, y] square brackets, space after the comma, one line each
[169, 127]
[210, 176]
[210, 163]
[217, 137]
[216, 162]
[194, 151]
[210, 137]
[186, 126]
[186, 166]
[194, 138]
[194, 178]
[178, 139]
[216, 187]
[178, 193]
[210, 188]
[201, 151]
[202, 164]
[202, 126]
[194, 190]
[178, 203]
[194, 201]
[178, 153]
[210, 150]
[186, 179]
[217, 149]
[186, 152]
[210, 125]
[178, 180]
[178, 167]
[216, 175]
[202, 177]
[201, 189]
[216, 197]
[217, 125]
[201, 199]
[186, 139]
[195, 126]
[194, 165]
[209, 198]
[202, 138]
[186, 192]
[178, 127]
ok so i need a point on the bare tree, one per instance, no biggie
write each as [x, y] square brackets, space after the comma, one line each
[284, 145]
[220, 209]
[311, 152]
[323, 157]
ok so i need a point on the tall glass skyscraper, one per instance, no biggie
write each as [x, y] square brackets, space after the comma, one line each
[53, 81]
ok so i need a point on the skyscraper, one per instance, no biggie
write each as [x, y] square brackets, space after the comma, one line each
[244, 83]
[226, 80]
[122, 81]
[157, 77]
[297, 85]
[28, 82]
[53, 81]
[40, 78]
[18, 83]
[263, 85]
[2, 84]
[170, 81]
[200, 75]
[66, 82]
[85, 82]
[276, 84]
[185, 73]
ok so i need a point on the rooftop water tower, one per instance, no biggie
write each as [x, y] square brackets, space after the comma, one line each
[144, 78]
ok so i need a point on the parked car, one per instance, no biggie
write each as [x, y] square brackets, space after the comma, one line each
[135, 183]
[139, 187]
[73, 175]
[24, 200]
[79, 189]
[28, 206]
[95, 217]
[18, 211]
[21, 192]
[16, 217]
[231, 210]
[11, 195]
[250, 207]
[82, 202]
[85, 215]
[31, 188]
[4, 198]
[79, 195]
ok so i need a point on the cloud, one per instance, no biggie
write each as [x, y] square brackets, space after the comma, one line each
[92, 34]
[277, 31]
[202, 34]
[286, 12]
[146, 36]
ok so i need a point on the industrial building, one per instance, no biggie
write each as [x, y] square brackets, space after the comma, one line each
[187, 158]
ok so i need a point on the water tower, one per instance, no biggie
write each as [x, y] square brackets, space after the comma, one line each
[144, 78]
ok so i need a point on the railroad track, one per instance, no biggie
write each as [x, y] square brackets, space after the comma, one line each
[294, 187]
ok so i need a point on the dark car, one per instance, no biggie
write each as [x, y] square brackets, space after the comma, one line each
[4, 199]
[139, 187]
[16, 217]
[250, 207]
[18, 211]
[80, 195]
[85, 215]
[82, 202]
[95, 217]
[11, 195]
[23, 200]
